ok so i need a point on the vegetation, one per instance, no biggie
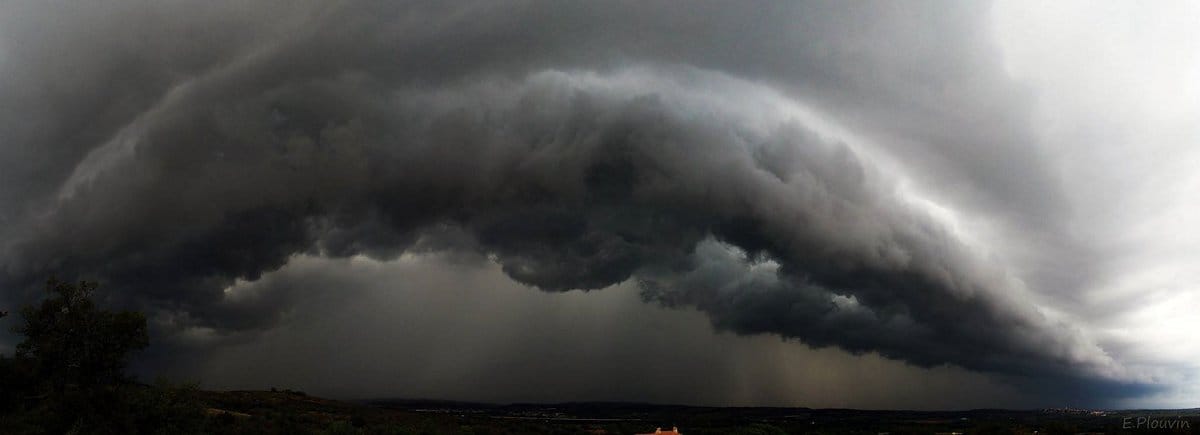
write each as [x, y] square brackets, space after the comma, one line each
[67, 377]
[68, 374]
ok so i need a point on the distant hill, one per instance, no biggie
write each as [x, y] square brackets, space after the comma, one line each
[316, 415]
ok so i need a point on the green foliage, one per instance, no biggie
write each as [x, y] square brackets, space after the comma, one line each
[68, 373]
[73, 344]
[167, 409]
[340, 428]
[13, 376]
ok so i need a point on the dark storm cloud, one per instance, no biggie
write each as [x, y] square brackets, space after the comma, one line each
[442, 331]
[578, 146]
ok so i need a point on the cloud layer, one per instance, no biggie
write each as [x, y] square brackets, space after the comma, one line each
[797, 170]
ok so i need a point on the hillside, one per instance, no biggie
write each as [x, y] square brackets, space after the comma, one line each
[295, 412]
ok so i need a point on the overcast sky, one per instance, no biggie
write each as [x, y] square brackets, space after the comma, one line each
[826, 204]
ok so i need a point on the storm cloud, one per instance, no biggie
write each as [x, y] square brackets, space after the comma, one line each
[796, 169]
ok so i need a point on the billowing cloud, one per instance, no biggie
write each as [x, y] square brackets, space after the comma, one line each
[796, 169]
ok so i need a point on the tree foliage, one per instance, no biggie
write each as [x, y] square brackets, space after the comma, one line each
[72, 343]
[68, 372]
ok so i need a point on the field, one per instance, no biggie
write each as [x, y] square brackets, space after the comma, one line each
[288, 411]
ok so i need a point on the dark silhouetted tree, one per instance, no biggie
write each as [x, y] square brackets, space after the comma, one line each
[75, 354]
[73, 344]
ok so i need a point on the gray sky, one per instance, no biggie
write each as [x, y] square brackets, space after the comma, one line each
[912, 204]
